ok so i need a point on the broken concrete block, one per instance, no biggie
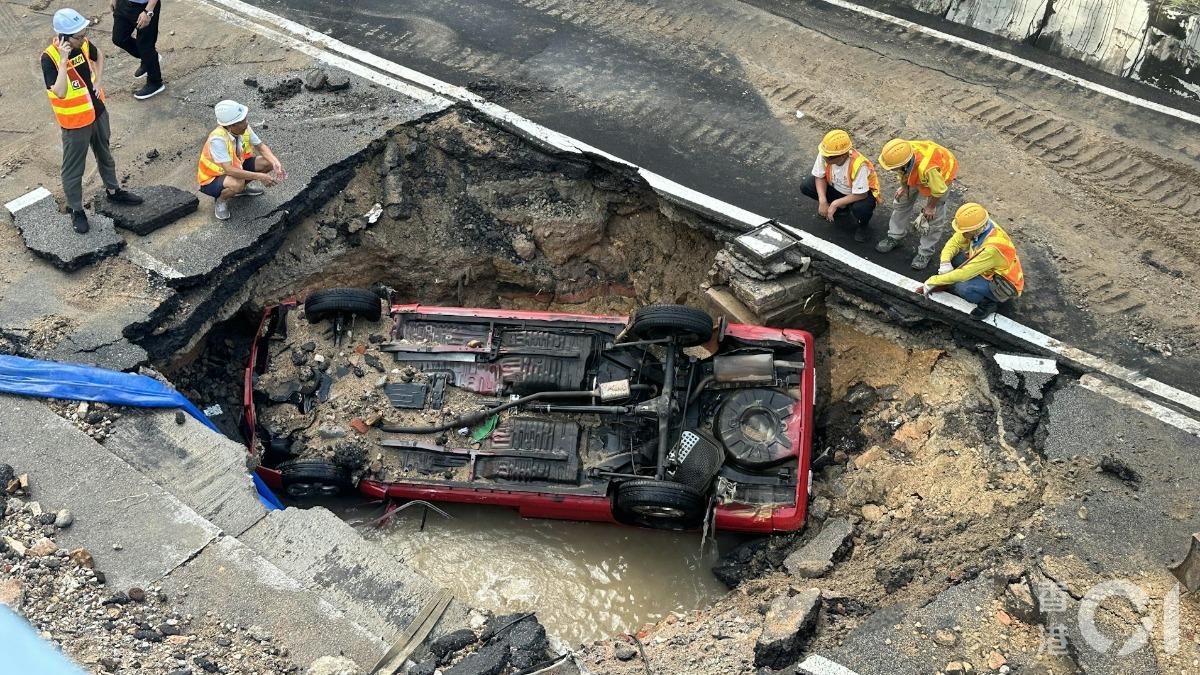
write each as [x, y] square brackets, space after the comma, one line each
[816, 557]
[162, 205]
[48, 234]
[786, 628]
[762, 296]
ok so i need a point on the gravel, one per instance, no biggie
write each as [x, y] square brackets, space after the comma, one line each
[134, 631]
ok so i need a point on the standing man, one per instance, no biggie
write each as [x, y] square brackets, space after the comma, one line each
[842, 178]
[925, 170]
[135, 29]
[227, 163]
[72, 68]
[979, 261]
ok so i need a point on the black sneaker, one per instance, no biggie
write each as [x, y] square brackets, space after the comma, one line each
[150, 89]
[123, 197]
[861, 234]
[984, 308]
[79, 221]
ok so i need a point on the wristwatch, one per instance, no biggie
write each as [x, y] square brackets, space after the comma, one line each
[149, 13]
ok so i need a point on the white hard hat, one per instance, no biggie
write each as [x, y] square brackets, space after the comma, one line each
[230, 112]
[69, 22]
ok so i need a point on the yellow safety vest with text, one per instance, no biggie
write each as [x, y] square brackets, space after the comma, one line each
[75, 109]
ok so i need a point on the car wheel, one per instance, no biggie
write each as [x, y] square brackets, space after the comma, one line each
[660, 504]
[311, 478]
[688, 325]
[330, 301]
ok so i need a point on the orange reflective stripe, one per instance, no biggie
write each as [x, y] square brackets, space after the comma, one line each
[931, 155]
[999, 240]
[207, 169]
[75, 109]
[856, 160]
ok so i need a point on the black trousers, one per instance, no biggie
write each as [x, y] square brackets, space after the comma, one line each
[862, 210]
[139, 42]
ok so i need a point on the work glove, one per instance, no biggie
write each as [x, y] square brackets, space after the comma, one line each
[945, 268]
[921, 224]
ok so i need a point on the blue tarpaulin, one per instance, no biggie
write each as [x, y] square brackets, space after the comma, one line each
[25, 653]
[50, 379]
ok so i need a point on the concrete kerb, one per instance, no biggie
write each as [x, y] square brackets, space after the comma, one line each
[943, 306]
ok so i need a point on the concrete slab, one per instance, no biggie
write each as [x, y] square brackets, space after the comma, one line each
[114, 505]
[48, 234]
[163, 205]
[203, 468]
[203, 244]
[327, 556]
[816, 557]
[233, 582]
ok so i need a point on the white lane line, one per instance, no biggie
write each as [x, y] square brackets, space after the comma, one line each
[1000, 54]
[28, 199]
[1128, 398]
[723, 209]
[1026, 364]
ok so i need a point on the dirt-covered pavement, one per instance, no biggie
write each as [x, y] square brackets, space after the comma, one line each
[731, 98]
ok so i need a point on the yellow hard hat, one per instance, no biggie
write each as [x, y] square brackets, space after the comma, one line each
[896, 154]
[969, 217]
[836, 142]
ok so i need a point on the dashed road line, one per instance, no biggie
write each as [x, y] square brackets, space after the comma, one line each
[27, 199]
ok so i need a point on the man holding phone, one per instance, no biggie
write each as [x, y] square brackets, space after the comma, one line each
[72, 68]
[135, 29]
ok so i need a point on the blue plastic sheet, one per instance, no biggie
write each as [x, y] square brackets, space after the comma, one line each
[24, 653]
[50, 379]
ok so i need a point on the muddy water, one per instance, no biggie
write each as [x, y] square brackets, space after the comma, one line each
[584, 580]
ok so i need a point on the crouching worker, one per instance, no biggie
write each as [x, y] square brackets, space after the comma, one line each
[843, 179]
[228, 165]
[979, 262]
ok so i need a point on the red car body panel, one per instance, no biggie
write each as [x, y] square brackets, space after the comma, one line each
[732, 517]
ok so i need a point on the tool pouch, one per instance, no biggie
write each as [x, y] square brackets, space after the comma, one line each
[1002, 288]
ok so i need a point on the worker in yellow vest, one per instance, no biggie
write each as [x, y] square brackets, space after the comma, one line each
[228, 165]
[925, 170]
[71, 67]
[842, 178]
[979, 262]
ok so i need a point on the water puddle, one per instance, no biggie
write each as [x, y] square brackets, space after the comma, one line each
[585, 580]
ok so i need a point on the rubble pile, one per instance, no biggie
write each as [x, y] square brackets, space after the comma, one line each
[132, 631]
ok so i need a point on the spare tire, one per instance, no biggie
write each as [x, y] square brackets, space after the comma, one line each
[330, 301]
[688, 325]
[307, 478]
[659, 504]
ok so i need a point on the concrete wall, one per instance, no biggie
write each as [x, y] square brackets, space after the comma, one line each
[1147, 40]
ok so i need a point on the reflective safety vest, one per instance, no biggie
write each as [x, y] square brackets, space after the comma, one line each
[207, 169]
[856, 160]
[929, 155]
[75, 110]
[998, 239]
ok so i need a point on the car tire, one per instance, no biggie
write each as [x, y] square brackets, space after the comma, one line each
[688, 325]
[329, 301]
[659, 504]
[309, 478]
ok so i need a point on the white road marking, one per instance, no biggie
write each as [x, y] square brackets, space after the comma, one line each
[1132, 400]
[1026, 364]
[701, 201]
[1000, 54]
[819, 665]
[28, 199]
